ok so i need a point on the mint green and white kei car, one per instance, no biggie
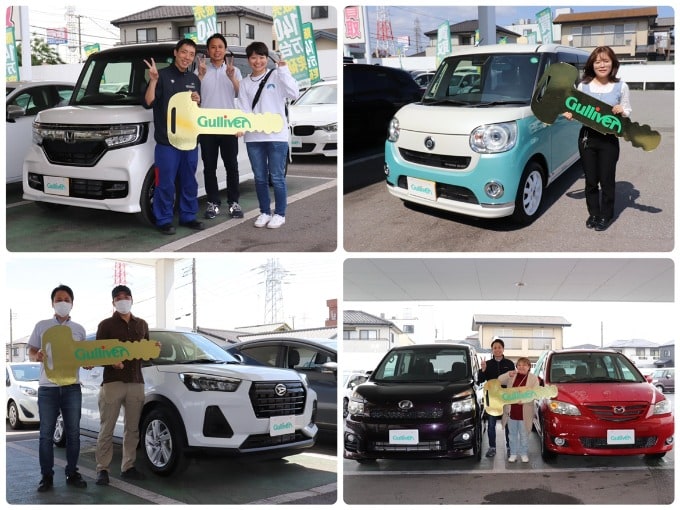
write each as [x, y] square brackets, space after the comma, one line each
[476, 148]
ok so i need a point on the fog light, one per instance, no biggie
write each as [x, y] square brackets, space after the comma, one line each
[494, 189]
[560, 441]
[351, 438]
[669, 440]
[467, 436]
[386, 169]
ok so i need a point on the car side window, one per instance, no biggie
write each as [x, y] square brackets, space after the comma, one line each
[266, 354]
[307, 358]
[33, 101]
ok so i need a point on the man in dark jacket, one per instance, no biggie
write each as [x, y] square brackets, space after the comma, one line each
[491, 369]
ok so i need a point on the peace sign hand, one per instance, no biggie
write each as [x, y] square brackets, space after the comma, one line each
[153, 70]
[230, 66]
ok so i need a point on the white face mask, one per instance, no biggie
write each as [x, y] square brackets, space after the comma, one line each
[62, 308]
[123, 306]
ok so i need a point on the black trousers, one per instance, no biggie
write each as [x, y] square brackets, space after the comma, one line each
[599, 155]
[227, 146]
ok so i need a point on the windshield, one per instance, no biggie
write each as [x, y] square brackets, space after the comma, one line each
[28, 372]
[593, 367]
[485, 80]
[319, 94]
[186, 347]
[424, 365]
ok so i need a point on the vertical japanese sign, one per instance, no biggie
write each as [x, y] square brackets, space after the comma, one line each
[205, 19]
[310, 52]
[288, 30]
[544, 21]
[11, 61]
[443, 41]
[354, 26]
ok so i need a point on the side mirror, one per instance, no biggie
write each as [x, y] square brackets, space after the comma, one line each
[14, 112]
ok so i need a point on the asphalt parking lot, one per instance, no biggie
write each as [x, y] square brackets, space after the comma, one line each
[306, 478]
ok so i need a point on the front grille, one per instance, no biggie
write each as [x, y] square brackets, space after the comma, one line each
[425, 446]
[618, 413]
[388, 414]
[304, 130]
[80, 153]
[265, 440]
[435, 160]
[600, 443]
[267, 403]
[447, 191]
[306, 147]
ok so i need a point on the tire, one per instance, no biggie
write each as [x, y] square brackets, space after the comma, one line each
[345, 403]
[163, 443]
[13, 416]
[529, 194]
[660, 387]
[366, 461]
[59, 438]
[477, 448]
[654, 456]
[546, 454]
[146, 215]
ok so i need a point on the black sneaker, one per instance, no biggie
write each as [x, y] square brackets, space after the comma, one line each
[45, 483]
[132, 474]
[602, 224]
[211, 211]
[491, 452]
[590, 222]
[102, 477]
[235, 210]
[167, 229]
[76, 480]
[195, 224]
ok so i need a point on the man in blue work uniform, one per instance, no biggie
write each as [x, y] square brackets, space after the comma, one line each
[172, 164]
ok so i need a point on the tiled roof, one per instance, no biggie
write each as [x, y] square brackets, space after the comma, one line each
[359, 317]
[469, 26]
[635, 342]
[606, 15]
[179, 11]
[520, 319]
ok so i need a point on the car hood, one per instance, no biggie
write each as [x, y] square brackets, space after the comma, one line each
[597, 393]
[381, 392]
[243, 372]
[454, 120]
[317, 114]
[95, 115]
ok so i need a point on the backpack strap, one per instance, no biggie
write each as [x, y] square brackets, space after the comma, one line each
[259, 89]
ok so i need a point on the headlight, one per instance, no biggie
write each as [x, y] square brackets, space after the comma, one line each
[663, 407]
[27, 390]
[126, 135]
[202, 382]
[393, 130]
[330, 128]
[463, 406]
[558, 407]
[492, 138]
[356, 404]
[113, 137]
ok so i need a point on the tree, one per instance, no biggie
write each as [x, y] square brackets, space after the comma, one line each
[41, 53]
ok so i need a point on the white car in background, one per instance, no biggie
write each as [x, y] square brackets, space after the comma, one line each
[21, 403]
[313, 119]
[350, 382]
[23, 101]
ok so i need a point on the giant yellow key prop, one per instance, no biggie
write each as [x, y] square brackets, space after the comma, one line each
[64, 355]
[496, 396]
[186, 121]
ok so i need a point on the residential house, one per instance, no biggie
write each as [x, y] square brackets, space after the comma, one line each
[642, 352]
[366, 338]
[523, 335]
[463, 34]
[666, 355]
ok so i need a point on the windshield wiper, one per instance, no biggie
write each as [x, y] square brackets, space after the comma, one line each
[445, 101]
[501, 103]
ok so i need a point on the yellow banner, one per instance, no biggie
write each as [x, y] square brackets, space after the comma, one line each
[496, 396]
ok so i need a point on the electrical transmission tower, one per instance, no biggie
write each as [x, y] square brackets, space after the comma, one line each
[273, 301]
[385, 39]
[119, 274]
[418, 34]
[73, 31]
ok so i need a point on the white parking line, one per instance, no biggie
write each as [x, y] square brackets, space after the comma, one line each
[295, 496]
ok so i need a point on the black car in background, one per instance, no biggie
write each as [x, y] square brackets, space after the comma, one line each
[317, 359]
[422, 401]
[372, 95]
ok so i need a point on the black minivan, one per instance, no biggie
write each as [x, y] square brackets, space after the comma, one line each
[422, 401]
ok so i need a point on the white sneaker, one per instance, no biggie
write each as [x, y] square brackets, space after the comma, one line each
[512, 458]
[525, 458]
[262, 220]
[276, 221]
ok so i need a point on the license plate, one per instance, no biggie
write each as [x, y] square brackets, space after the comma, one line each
[280, 425]
[295, 142]
[404, 436]
[421, 188]
[56, 185]
[626, 436]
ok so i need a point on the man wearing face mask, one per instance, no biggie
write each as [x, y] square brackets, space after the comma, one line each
[53, 399]
[123, 385]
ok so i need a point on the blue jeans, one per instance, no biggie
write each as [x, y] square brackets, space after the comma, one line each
[492, 431]
[269, 158]
[51, 400]
[519, 440]
[175, 175]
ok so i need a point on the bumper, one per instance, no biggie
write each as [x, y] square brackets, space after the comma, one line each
[583, 437]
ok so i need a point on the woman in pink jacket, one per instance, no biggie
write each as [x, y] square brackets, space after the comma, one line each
[519, 416]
